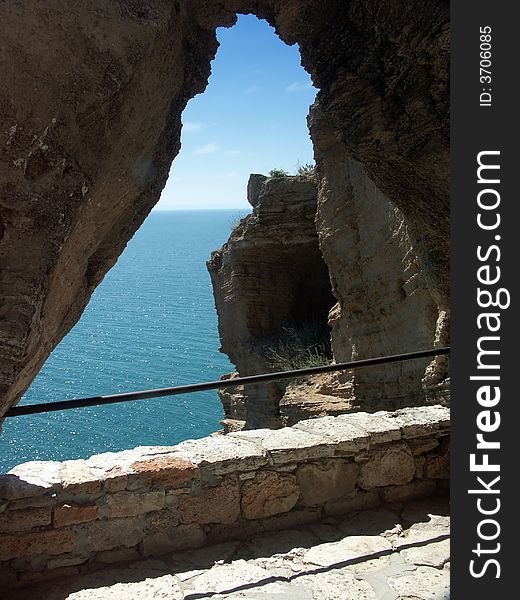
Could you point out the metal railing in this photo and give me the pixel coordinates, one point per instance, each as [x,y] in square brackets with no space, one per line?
[32,409]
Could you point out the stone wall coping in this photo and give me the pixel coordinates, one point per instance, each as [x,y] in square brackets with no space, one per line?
[217,455]
[76,515]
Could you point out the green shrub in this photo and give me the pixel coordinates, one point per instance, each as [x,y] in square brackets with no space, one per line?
[278,173]
[306,170]
[299,347]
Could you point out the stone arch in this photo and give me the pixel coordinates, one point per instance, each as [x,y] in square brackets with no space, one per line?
[90,123]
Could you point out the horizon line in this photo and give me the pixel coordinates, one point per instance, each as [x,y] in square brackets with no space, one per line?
[203,208]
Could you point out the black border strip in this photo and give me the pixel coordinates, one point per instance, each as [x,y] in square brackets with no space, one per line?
[487,123]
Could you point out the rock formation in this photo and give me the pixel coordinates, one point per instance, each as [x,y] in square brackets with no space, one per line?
[385,305]
[91,100]
[270,275]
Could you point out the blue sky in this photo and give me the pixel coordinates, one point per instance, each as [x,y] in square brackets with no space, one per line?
[250,119]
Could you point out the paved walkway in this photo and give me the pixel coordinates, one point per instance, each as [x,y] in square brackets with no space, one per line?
[398,554]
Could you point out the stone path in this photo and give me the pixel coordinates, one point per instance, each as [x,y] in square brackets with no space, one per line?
[401,553]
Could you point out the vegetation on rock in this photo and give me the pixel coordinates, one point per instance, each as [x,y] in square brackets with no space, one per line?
[306,170]
[299,347]
[278,173]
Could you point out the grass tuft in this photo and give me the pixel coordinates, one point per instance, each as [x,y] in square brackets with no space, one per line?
[307,345]
[278,173]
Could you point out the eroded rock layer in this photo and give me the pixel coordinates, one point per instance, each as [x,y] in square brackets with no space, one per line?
[385,305]
[270,275]
[90,109]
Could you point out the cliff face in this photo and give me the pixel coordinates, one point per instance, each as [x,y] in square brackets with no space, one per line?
[90,111]
[385,305]
[270,275]
[91,102]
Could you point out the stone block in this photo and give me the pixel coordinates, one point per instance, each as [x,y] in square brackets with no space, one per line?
[352,548]
[12,521]
[118,555]
[168,471]
[226,577]
[218,504]
[380,428]
[48,499]
[29,563]
[289,444]
[68,514]
[30,479]
[339,432]
[162,521]
[289,520]
[339,584]
[437,464]
[108,535]
[391,465]
[326,480]
[425,583]
[128,504]
[157,543]
[435,554]
[359,501]
[421,421]
[419,467]
[419,446]
[182,538]
[115,480]
[76,478]
[268,494]
[171,500]
[33,544]
[403,493]
[66,561]
[222,454]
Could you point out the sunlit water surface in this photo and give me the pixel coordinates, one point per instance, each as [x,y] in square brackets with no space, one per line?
[151,323]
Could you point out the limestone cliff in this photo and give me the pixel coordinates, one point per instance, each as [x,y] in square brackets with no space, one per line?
[270,275]
[90,106]
[384,304]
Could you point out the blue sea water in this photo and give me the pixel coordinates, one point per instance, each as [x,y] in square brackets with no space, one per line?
[151,323]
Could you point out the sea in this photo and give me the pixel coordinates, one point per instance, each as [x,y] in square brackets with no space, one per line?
[151,323]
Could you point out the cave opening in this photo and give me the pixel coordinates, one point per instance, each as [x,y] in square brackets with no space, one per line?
[103,354]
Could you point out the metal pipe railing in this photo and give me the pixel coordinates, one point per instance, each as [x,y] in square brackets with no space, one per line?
[32,409]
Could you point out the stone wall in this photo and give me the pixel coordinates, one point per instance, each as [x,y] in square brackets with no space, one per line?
[61,518]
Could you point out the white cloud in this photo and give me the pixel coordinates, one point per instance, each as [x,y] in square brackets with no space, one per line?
[253,89]
[232,174]
[299,86]
[207,149]
[189,127]
[231,152]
